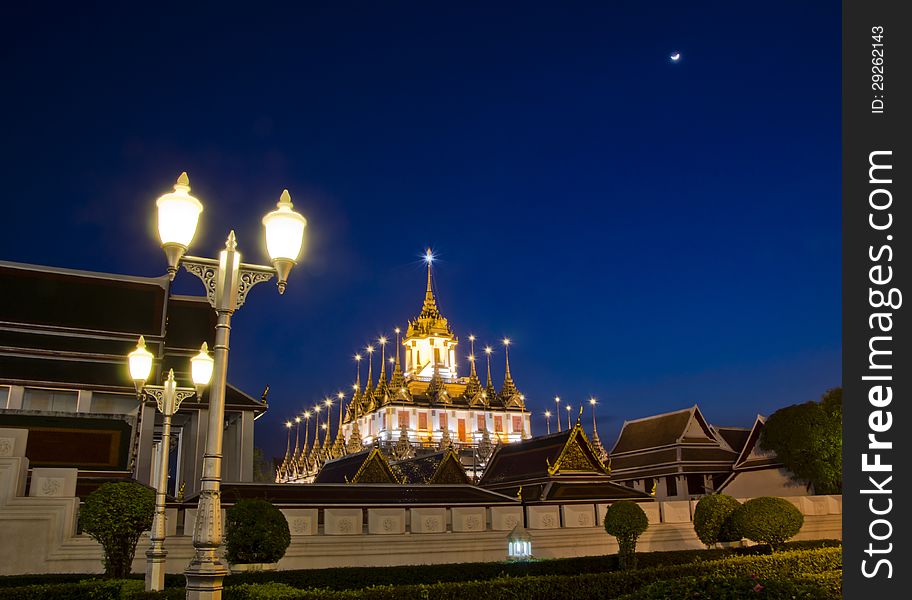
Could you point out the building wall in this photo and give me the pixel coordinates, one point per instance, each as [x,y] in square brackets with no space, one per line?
[39,530]
[371,427]
[765,482]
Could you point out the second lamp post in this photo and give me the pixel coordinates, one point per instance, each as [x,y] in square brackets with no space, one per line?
[168,398]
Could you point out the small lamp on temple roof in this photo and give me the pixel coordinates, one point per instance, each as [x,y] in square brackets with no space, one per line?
[519,544]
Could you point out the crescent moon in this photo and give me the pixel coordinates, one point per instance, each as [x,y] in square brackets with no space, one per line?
[676,56]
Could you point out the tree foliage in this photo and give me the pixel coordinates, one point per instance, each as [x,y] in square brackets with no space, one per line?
[115,515]
[712,519]
[257,532]
[807,439]
[767,520]
[625,520]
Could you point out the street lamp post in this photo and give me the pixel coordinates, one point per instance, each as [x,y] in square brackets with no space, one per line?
[557,412]
[548,417]
[227,282]
[168,398]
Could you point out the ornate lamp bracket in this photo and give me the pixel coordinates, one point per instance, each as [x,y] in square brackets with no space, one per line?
[207,271]
[158,393]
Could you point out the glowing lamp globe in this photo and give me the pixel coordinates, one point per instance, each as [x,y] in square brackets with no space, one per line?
[178,215]
[201,367]
[140,361]
[284,237]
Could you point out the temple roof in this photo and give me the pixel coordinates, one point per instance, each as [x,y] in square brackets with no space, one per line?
[685,426]
[735,437]
[559,454]
[284,494]
[437,468]
[369,466]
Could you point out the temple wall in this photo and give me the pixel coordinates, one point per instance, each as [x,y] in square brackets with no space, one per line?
[766,481]
[38,528]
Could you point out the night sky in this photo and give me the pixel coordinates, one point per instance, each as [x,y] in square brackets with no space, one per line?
[655,234]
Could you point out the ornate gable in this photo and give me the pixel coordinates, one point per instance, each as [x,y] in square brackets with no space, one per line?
[449,470]
[578,456]
[374,469]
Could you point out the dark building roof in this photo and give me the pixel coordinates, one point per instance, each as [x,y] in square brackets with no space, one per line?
[751,456]
[369,466]
[380,494]
[82,300]
[543,457]
[735,437]
[74,329]
[438,468]
[662,430]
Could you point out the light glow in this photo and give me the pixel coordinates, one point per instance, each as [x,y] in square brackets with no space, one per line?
[284,230]
[140,361]
[201,366]
[178,214]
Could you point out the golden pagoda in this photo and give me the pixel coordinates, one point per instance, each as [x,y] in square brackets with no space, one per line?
[426,399]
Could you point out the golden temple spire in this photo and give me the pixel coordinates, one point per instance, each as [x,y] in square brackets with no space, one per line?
[472,355]
[370,367]
[358,376]
[429,308]
[488,351]
[382,379]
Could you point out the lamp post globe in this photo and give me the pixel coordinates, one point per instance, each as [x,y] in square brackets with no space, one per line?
[201,367]
[284,237]
[140,361]
[178,215]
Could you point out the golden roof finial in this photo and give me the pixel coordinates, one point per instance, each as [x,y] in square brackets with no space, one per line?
[430,303]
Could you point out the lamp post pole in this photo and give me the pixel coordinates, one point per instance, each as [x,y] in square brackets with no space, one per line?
[168,398]
[227,282]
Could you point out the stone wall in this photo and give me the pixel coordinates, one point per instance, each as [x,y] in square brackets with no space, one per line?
[38,528]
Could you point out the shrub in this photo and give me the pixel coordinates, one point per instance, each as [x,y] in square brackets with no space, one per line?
[711,519]
[257,532]
[825,586]
[767,520]
[115,515]
[625,520]
[347,578]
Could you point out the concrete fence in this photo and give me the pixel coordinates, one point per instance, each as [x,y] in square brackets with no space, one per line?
[38,530]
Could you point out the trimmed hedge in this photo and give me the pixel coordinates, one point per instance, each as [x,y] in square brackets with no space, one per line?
[78,587]
[256,532]
[767,520]
[774,568]
[824,586]
[626,521]
[93,589]
[712,519]
[345,578]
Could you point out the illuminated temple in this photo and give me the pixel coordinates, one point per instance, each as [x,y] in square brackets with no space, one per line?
[417,406]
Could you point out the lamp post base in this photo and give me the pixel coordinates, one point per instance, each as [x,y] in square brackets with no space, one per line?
[205,580]
[155,569]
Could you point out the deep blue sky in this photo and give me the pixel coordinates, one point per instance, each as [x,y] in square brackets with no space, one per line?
[655,234]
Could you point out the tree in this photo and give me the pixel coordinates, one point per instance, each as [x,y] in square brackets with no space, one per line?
[767,520]
[807,439]
[257,532]
[625,520]
[712,519]
[115,515]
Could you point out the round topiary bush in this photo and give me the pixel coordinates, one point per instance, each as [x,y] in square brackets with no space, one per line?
[712,519]
[115,515]
[257,532]
[767,520]
[625,520]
